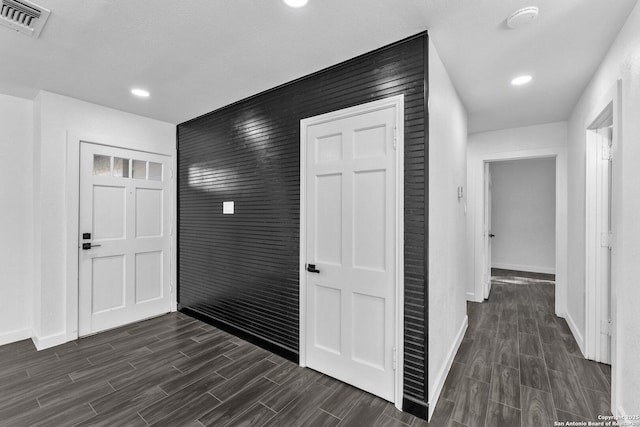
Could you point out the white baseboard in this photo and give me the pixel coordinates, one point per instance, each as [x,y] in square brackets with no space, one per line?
[13,336]
[42,343]
[471,296]
[576,333]
[522,267]
[444,371]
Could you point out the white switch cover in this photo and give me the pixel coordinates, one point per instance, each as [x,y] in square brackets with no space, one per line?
[227,208]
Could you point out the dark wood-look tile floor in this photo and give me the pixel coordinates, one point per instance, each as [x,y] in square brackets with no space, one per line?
[176,371]
[519,365]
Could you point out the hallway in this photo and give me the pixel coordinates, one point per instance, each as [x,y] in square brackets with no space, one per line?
[519,365]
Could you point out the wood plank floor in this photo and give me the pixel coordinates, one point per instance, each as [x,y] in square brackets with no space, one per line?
[175,371]
[519,365]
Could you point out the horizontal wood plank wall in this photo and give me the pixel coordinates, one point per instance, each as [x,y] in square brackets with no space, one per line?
[241,270]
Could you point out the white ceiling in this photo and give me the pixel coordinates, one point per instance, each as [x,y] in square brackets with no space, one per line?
[198,55]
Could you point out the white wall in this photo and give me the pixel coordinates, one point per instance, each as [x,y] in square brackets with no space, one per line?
[16,208]
[546,140]
[57,117]
[621,62]
[523,216]
[447,237]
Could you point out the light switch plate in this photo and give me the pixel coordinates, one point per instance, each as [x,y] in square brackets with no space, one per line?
[228,208]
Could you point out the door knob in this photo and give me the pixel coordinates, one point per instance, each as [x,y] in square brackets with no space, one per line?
[311,268]
[491,235]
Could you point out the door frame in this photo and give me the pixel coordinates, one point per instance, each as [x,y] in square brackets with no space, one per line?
[608,106]
[486,211]
[476,192]
[505,157]
[74,142]
[398,103]
[595,263]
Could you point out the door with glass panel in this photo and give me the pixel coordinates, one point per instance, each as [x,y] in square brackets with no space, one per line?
[124,237]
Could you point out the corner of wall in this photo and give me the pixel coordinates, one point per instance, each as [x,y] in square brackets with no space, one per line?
[443,371]
[16,251]
[36,306]
[447,237]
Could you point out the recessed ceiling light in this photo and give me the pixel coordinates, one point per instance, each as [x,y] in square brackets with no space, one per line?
[521,80]
[140,92]
[295,3]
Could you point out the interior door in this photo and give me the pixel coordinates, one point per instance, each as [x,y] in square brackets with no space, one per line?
[350,235]
[488,235]
[124,246]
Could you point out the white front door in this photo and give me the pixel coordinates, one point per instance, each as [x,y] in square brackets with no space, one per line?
[124,242]
[350,249]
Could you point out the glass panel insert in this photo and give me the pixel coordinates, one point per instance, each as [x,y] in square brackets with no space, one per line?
[101,165]
[120,167]
[139,169]
[155,171]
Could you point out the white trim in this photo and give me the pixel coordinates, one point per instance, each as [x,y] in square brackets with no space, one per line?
[14,336]
[476,186]
[522,267]
[49,341]
[612,98]
[574,330]
[398,103]
[486,230]
[302,293]
[74,140]
[442,373]
[594,260]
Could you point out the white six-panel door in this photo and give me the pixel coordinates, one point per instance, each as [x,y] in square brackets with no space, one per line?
[350,249]
[124,241]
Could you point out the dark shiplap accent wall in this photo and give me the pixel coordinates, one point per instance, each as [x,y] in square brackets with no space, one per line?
[242,270]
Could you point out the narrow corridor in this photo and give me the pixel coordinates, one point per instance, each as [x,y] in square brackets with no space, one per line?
[519,365]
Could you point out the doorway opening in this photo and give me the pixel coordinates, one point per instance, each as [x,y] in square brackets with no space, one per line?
[598,207]
[519,217]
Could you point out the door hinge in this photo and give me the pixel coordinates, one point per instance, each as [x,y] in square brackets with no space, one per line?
[605,327]
[605,240]
[395,138]
[606,152]
[395,359]
[171,173]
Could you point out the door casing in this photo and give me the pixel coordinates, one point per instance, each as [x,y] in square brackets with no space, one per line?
[476,200]
[613,101]
[487,229]
[74,141]
[398,103]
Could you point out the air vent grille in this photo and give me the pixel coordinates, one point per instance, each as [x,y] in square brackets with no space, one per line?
[23,16]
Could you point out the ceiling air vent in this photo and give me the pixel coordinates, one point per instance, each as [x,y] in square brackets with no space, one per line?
[23,16]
